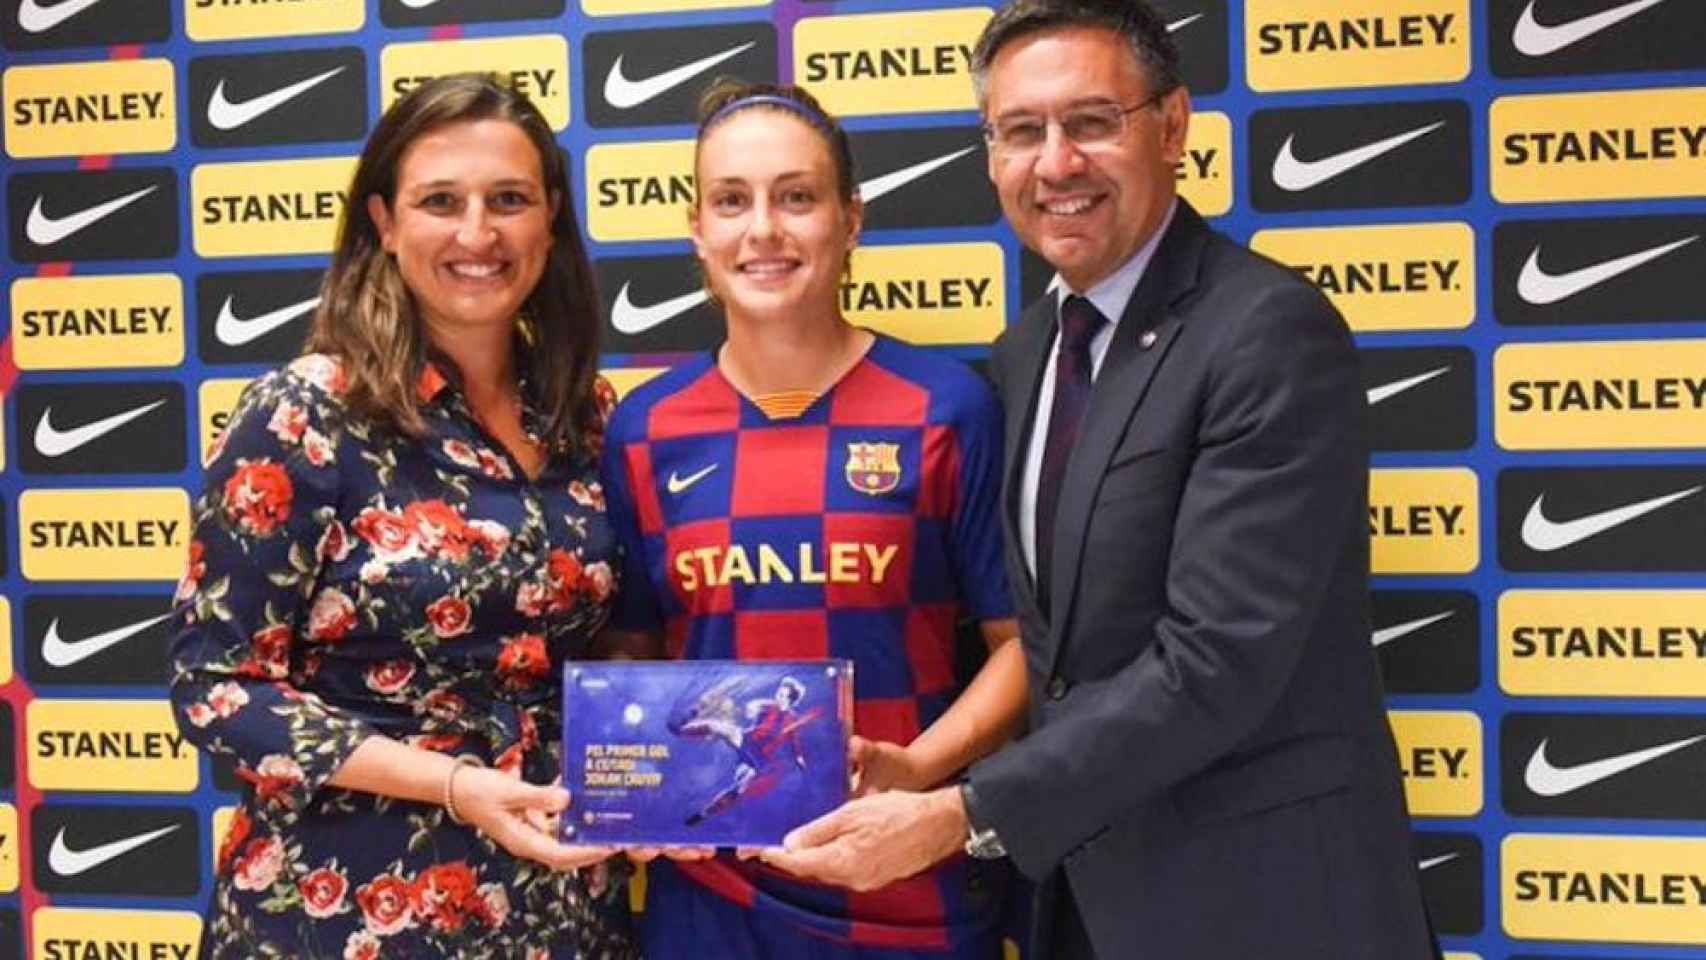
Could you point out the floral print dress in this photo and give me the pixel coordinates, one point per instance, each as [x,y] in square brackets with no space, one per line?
[346,581]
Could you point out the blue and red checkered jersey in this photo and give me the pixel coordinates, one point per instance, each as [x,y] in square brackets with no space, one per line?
[863,528]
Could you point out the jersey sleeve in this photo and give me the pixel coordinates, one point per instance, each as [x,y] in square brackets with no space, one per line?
[977,541]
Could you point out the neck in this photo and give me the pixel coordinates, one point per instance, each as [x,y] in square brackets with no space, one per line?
[483,360]
[787,355]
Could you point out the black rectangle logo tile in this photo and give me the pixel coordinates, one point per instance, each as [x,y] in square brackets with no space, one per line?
[1449,865]
[293,96]
[97,639]
[1599,270]
[1638,519]
[1639,766]
[254,316]
[129,850]
[127,214]
[656,304]
[1544,38]
[638,78]
[432,13]
[1420,398]
[930,177]
[101,427]
[49,24]
[1428,641]
[1398,154]
[1199,28]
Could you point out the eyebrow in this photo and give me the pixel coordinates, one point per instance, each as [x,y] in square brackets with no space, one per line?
[790,175]
[443,182]
[1076,102]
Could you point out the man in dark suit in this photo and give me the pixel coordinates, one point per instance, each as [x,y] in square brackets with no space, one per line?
[1209,772]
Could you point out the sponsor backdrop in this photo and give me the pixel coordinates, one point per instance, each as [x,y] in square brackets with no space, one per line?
[1507,199]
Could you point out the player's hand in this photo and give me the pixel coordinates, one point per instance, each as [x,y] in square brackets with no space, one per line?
[875,840]
[879,766]
[521,817]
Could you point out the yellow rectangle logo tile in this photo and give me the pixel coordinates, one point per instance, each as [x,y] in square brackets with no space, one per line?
[272,207]
[1598,146]
[134,533]
[639,191]
[1309,45]
[223,20]
[125,746]
[65,933]
[1204,173]
[78,109]
[537,66]
[1623,394]
[216,399]
[886,63]
[1603,643]
[1440,756]
[1409,276]
[1424,521]
[1604,888]
[937,293]
[88,323]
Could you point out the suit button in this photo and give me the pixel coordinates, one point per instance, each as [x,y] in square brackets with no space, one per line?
[1056,688]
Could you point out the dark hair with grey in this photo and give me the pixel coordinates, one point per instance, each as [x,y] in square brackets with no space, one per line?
[728,96]
[1134,20]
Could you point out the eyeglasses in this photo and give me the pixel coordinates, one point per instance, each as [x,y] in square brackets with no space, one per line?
[1094,125]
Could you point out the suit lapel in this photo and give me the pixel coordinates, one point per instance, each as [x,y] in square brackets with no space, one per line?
[1030,349]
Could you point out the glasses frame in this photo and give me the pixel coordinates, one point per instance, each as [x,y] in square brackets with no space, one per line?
[989,138]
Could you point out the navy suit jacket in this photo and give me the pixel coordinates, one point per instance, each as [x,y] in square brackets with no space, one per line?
[1209,771]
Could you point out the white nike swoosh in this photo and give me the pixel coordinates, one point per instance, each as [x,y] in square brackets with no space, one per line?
[623,93]
[68,862]
[1537,40]
[65,653]
[1294,175]
[1177,25]
[1549,781]
[632,320]
[44,230]
[225,115]
[35,18]
[417,4]
[1386,635]
[52,442]
[1387,391]
[1541,288]
[889,182]
[234,331]
[1433,862]
[677,484]
[1545,535]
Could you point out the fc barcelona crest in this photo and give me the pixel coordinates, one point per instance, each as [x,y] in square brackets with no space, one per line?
[873,468]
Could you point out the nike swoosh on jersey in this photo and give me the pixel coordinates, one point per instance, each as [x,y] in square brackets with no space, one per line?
[623,93]
[678,484]
[1433,862]
[68,862]
[35,18]
[225,115]
[1547,535]
[1386,635]
[59,652]
[1297,175]
[633,320]
[235,331]
[53,442]
[1178,25]
[1543,289]
[44,230]
[1387,391]
[1537,39]
[1547,780]
[889,182]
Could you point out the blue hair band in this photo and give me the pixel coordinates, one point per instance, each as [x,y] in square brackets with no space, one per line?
[769,100]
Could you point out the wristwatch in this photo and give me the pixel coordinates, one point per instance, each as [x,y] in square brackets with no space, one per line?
[981,842]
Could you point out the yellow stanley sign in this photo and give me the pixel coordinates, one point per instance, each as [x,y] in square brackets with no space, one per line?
[271,207]
[86,323]
[135,533]
[1204,173]
[1604,888]
[216,399]
[224,20]
[886,63]
[128,746]
[940,293]
[1413,276]
[9,849]
[68,933]
[1309,45]
[537,66]
[76,109]
[1602,643]
[639,191]
[1598,146]
[1600,396]
[1424,520]
[1440,755]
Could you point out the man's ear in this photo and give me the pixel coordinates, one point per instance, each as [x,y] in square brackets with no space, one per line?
[1175,123]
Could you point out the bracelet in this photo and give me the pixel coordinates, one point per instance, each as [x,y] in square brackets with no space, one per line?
[464,760]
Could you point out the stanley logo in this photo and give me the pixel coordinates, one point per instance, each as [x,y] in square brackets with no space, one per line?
[1639,766]
[1603,888]
[1603,643]
[299,96]
[258,316]
[537,66]
[656,305]
[943,293]
[1204,173]
[216,399]
[272,207]
[1636,519]
[1624,269]
[1566,396]
[1424,520]
[108,745]
[96,639]
[86,323]
[887,63]
[41,25]
[1539,38]
[123,214]
[237,20]
[1420,398]
[432,13]
[1417,276]
[619,8]
[73,109]
[136,533]
[1624,145]
[65,933]
[132,850]
[1450,868]
[1428,641]
[639,191]
[637,78]
[1439,754]
[1199,28]
[1400,154]
[68,428]
[925,177]
[1304,45]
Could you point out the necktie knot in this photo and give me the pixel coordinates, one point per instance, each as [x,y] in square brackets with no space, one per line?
[1079,321]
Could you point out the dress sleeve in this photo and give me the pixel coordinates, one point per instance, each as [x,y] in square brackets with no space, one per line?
[247,608]
[636,602]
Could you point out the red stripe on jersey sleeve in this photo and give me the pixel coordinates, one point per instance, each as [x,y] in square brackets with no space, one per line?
[891,721]
[870,396]
[857,546]
[910,903]
[781,635]
[939,489]
[930,647]
[643,488]
[707,405]
[779,471]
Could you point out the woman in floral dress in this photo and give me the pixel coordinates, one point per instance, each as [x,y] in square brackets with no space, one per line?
[401,538]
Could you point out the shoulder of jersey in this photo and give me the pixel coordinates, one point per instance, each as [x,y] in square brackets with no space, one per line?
[629,415]
[943,376]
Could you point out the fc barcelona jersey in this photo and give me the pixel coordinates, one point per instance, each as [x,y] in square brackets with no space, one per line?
[863,528]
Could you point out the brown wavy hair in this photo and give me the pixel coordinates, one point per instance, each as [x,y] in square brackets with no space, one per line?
[367,318]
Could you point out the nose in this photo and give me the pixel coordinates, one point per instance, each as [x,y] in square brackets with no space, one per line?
[763,223]
[1058,158]
[475,229]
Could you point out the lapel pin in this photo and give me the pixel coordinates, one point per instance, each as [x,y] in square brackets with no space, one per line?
[1147,340]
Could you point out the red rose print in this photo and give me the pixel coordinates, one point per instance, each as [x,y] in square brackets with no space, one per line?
[388,535]
[259,864]
[589,495]
[361,945]
[269,653]
[235,834]
[522,661]
[384,904]
[449,616]
[323,891]
[317,448]
[492,903]
[530,598]
[273,777]
[193,571]
[332,616]
[563,570]
[257,497]
[440,529]
[335,543]
[390,677]
[597,581]
[493,537]
[287,423]
[460,453]
[437,742]
[200,714]
[320,370]
[443,895]
[226,699]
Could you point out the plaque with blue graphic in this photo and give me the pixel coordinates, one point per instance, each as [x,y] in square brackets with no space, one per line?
[703,752]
